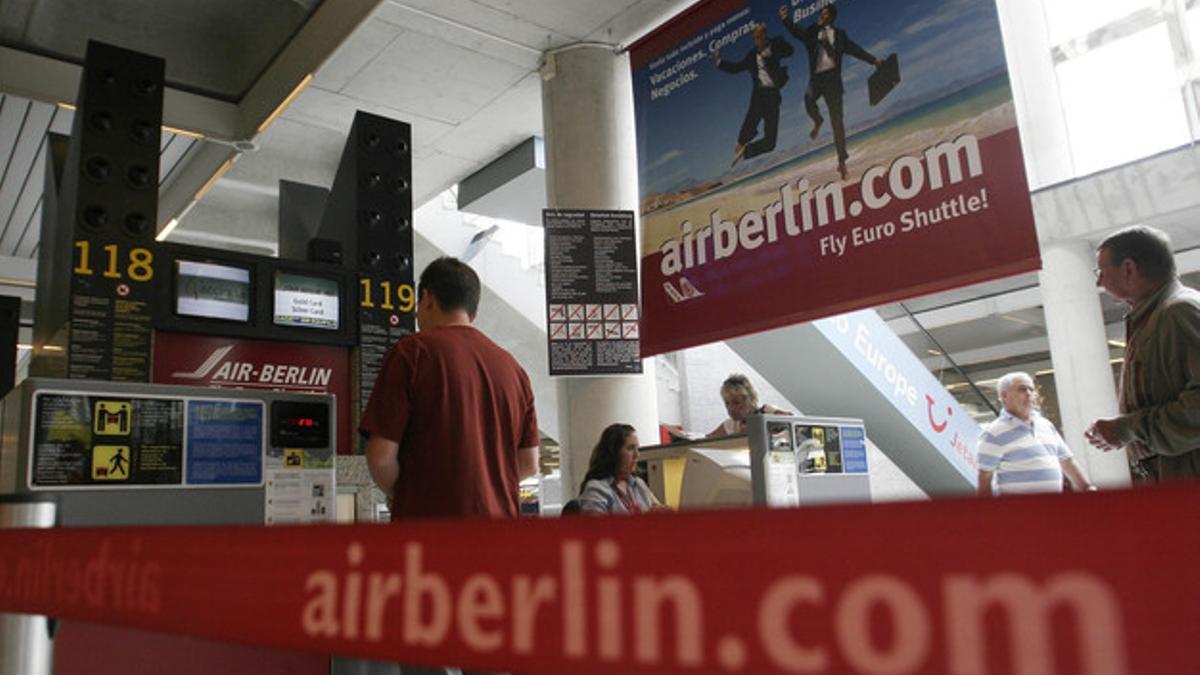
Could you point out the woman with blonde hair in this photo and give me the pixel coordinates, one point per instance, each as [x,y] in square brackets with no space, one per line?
[741,401]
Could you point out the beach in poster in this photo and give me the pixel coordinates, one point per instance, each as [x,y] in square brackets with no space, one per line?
[748,222]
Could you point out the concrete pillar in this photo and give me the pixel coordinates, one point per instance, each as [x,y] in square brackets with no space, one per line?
[1079,352]
[1045,142]
[591,163]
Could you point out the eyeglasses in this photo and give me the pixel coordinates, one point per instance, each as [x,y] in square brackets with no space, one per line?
[1098,270]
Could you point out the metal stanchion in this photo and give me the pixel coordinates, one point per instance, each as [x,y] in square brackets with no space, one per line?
[26,641]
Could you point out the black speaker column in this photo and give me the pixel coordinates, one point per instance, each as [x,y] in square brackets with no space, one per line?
[369,213]
[10,322]
[109,202]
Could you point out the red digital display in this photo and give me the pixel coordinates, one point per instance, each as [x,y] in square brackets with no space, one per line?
[301,422]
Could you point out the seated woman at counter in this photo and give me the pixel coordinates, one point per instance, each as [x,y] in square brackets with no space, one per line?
[741,401]
[610,485]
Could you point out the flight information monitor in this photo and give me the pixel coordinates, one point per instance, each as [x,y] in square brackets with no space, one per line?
[306,301]
[212,291]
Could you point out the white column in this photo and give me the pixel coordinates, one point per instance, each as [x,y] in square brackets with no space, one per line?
[1079,352]
[591,163]
[1046,143]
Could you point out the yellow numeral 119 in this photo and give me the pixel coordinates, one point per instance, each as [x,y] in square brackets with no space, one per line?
[401,297]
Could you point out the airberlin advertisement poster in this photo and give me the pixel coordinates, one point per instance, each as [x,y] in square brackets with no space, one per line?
[804,158]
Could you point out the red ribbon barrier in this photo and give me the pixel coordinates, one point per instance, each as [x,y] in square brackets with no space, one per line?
[1094,583]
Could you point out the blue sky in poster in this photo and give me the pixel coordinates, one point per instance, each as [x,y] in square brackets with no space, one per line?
[687,137]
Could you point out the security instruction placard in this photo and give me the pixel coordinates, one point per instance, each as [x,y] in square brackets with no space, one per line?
[106,441]
[225,443]
[831,449]
[300,487]
[109,441]
[592,317]
[854,450]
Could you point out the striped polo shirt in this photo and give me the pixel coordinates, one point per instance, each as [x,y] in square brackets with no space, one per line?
[1025,457]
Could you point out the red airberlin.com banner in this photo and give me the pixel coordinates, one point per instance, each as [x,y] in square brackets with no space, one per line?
[1101,583]
[803,158]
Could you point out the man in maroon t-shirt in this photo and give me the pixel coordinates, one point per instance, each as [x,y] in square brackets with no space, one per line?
[451,424]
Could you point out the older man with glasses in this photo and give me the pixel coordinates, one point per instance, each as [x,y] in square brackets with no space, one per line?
[1159,421]
[1021,450]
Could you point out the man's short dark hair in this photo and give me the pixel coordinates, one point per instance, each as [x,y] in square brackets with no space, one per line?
[1149,247]
[453,283]
[832,11]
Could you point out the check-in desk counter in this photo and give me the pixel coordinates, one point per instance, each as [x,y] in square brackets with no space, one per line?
[783,461]
[717,472]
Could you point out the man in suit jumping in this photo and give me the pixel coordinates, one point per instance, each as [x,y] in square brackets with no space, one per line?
[769,75]
[826,44]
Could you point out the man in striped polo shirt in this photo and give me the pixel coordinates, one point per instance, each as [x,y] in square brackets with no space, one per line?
[1021,449]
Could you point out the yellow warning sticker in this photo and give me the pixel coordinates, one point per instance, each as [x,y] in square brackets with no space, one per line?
[110,462]
[293,458]
[112,418]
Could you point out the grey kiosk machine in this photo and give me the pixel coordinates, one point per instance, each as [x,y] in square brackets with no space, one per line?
[112,453]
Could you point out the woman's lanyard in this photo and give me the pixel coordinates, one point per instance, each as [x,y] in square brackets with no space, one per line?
[630,503]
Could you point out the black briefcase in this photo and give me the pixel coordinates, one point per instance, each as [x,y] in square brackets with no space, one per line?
[884,79]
